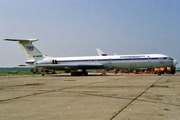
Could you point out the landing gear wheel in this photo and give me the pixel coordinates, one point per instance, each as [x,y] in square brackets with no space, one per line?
[42,73]
[172,73]
[72,74]
[168,72]
[159,73]
[85,73]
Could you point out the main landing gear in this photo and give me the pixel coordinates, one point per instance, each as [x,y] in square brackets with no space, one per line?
[79,73]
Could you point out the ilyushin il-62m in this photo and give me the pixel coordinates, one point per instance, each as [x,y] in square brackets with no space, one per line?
[73,64]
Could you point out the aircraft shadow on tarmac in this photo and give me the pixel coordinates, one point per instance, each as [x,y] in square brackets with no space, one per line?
[68,75]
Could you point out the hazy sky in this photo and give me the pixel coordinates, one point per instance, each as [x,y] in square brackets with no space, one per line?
[78,27]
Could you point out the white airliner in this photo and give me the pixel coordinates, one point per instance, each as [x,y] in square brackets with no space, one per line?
[73,64]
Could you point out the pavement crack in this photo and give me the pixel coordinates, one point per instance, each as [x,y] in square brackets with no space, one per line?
[134,99]
[47,91]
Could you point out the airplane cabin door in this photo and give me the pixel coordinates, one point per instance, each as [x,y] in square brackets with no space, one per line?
[110,63]
[149,59]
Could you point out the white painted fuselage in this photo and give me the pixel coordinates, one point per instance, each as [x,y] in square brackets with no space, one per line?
[107,62]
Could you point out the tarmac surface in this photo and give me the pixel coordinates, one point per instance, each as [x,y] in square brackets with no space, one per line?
[93,97]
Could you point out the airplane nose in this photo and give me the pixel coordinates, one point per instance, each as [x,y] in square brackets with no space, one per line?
[175,62]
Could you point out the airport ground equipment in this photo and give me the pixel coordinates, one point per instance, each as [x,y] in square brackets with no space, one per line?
[168,70]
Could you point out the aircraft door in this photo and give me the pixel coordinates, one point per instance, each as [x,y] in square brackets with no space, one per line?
[89,61]
[149,59]
[110,65]
[110,61]
[92,60]
[54,62]
[95,60]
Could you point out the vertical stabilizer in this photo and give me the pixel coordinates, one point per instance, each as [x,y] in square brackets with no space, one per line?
[29,50]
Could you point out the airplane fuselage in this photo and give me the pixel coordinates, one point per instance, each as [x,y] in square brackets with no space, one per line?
[109,62]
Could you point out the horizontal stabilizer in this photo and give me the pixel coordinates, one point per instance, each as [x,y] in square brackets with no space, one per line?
[23,40]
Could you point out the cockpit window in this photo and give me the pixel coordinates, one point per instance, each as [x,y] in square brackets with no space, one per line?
[169,58]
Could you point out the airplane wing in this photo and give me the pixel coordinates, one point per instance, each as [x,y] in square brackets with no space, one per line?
[71,66]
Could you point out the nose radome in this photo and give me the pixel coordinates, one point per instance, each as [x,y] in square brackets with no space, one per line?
[175,62]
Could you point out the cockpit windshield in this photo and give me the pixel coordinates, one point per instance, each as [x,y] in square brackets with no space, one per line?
[169,58]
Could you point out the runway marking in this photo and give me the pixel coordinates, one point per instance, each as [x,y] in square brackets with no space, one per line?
[86,90]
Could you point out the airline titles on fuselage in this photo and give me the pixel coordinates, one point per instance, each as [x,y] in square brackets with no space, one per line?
[140,56]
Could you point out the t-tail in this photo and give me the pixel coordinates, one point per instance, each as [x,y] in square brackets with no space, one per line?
[31,53]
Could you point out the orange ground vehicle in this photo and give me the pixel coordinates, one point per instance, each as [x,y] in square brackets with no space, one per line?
[168,70]
[157,71]
[171,70]
[162,70]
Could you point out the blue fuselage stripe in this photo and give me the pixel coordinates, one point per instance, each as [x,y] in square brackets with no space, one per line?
[106,60]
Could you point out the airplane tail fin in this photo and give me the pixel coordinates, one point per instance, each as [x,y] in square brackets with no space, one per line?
[29,50]
[101,53]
